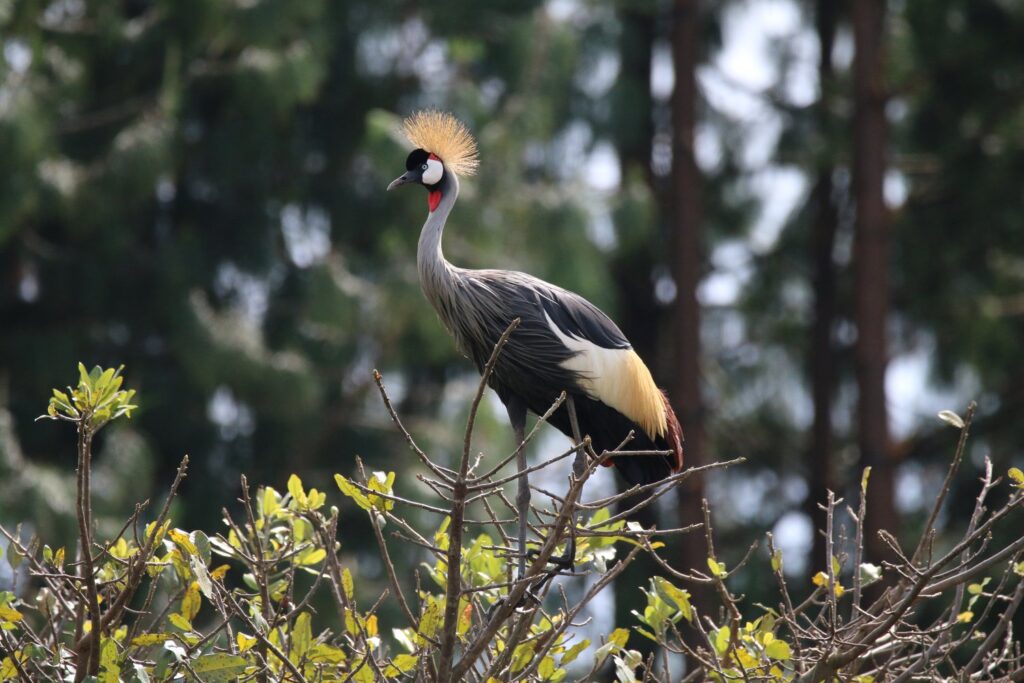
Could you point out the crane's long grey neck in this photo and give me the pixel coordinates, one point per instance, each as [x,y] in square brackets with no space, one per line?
[436,273]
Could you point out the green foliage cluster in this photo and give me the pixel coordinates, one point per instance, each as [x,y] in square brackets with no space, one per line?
[270,596]
[96,400]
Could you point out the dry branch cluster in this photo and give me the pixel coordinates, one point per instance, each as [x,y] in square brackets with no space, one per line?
[155,603]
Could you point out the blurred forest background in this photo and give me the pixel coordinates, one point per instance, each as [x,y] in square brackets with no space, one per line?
[807,215]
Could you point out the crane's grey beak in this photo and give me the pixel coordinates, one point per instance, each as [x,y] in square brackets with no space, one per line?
[406,177]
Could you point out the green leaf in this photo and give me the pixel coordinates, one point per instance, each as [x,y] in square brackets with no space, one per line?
[620,637]
[352,492]
[382,483]
[347,583]
[191,602]
[680,597]
[295,488]
[180,621]
[722,637]
[778,649]
[405,662]
[302,637]
[110,671]
[363,675]
[150,639]
[1017,476]
[312,556]
[9,614]
[573,652]
[219,667]
[271,501]
[717,568]
[522,656]
[429,620]
[777,561]
[546,668]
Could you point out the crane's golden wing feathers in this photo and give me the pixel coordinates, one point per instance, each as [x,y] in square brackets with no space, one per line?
[442,134]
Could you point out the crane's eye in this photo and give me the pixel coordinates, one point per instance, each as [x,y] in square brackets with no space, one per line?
[423,167]
[433,170]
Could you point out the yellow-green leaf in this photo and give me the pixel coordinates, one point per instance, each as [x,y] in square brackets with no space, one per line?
[219,667]
[430,618]
[722,639]
[110,672]
[244,641]
[270,501]
[1017,476]
[352,492]
[546,668]
[363,675]
[573,652]
[717,568]
[9,614]
[347,583]
[191,602]
[182,540]
[180,621]
[522,656]
[295,488]
[302,637]
[778,649]
[965,617]
[314,556]
[680,597]
[150,639]
[620,637]
[404,662]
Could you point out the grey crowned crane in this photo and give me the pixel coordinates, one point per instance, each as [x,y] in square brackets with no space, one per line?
[562,343]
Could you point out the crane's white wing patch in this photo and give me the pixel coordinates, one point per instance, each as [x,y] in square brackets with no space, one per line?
[616,377]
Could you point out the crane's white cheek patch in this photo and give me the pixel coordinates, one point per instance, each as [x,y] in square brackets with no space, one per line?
[434,172]
[617,378]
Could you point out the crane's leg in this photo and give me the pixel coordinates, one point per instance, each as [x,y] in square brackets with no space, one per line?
[568,559]
[517,416]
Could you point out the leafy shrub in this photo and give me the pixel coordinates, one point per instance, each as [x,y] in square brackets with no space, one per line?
[160,603]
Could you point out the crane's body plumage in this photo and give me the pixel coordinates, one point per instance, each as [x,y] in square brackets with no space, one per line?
[563,343]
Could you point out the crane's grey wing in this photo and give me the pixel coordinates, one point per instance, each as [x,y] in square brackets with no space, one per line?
[563,343]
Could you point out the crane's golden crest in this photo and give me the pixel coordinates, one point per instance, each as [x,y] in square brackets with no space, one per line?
[445,136]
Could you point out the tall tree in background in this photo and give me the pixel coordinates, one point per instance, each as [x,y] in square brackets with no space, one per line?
[822,356]
[871,265]
[637,218]
[686,260]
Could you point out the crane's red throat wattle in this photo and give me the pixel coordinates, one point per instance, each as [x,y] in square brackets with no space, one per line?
[433,199]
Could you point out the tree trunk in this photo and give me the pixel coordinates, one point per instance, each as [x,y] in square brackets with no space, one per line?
[871,265]
[822,360]
[639,315]
[686,258]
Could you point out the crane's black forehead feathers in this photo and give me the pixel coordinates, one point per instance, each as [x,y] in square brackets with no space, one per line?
[416,158]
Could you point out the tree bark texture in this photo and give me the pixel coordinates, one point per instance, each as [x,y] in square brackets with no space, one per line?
[639,314]
[822,358]
[685,196]
[871,267]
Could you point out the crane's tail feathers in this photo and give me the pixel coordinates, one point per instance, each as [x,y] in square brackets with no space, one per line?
[674,436]
[647,469]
